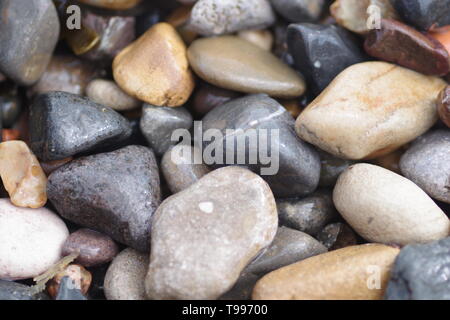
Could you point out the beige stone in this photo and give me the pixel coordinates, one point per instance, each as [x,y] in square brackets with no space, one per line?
[382,206]
[261,38]
[154,68]
[112,4]
[109,94]
[22,175]
[369,110]
[233,63]
[350,273]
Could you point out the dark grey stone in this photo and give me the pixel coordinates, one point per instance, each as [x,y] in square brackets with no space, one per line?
[421,272]
[424,13]
[337,235]
[299,10]
[67,291]
[10,107]
[115,193]
[331,168]
[243,288]
[10,290]
[63,124]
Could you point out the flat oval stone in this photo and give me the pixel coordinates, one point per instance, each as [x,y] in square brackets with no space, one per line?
[63,124]
[112,4]
[115,193]
[426,164]
[369,110]
[299,10]
[382,206]
[294,167]
[421,272]
[424,14]
[94,247]
[342,274]
[398,43]
[154,68]
[336,236]
[235,64]
[10,290]
[30,240]
[125,277]
[30,30]
[204,236]
[108,93]
[444,106]
[321,52]
[158,123]
[215,17]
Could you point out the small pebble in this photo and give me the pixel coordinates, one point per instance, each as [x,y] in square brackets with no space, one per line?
[207,97]
[336,236]
[68,291]
[390,161]
[10,108]
[80,277]
[331,168]
[108,93]
[299,10]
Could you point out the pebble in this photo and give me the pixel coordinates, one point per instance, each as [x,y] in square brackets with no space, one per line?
[10,108]
[336,236]
[125,277]
[95,192]
[64,73]
[179,19]
[401,44]
[179,168]
[204,236]
[232,63]
[108,93]
[94,247]
[426,164]
[346,274]
[442,35]
[308,214]
[390,161]
[216,17]
[298,164]
[10,290]
[30,240]
[321,52]
[444,106]
[112,4]
[159,123]
[154,68]
[292,106]
[385,107]
[382,206]
[63,124]
[260,38]
[80,277]
[421,272]
[10,134]
[289,246]
[207,97]
[331,168]
[424,14]
[299,10]
[68,291]
[30,30]
[22,175]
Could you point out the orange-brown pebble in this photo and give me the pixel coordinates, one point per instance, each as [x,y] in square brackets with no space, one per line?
[155,69]
[51,166]
[444,106]
[292,106]
[77,273]
[112,4]
[10,134]
[22,175]
[178,19]
[443,36]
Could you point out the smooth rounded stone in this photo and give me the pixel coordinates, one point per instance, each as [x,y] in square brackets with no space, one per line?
[299,10]
[180,168]
[309,214]
[321,52]
[125,277]
[79,276]
[369,110]
[421,272]
[10,290]
[336,236]
[242,289]
[63,124]
[331,168]
[115,193]
[401,44]
[10,108]
[443,106]
[64,73]
[30,240]
[108,93]
[233,63]
[30,30]
[261,38]
[114,32]
[22,175]
[158,123]
[293,168]
[205,235]
[94,248]
[154,68]
[353,15]
[382,206]
[112,4]
[216,17]
[426,163]
[207,97]
[51,166]
[289,246]
[424,14]
[349,273]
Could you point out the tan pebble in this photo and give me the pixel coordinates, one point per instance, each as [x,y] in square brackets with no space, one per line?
[109,94]
[112,4]
[78,274]
[261,38]
[22,175]
[352,273]
[154,68]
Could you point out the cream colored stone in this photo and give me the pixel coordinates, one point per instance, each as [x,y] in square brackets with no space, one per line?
[109,94]
[370,109]
[351,273]
[261,38]
[382,206]
[22,175]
